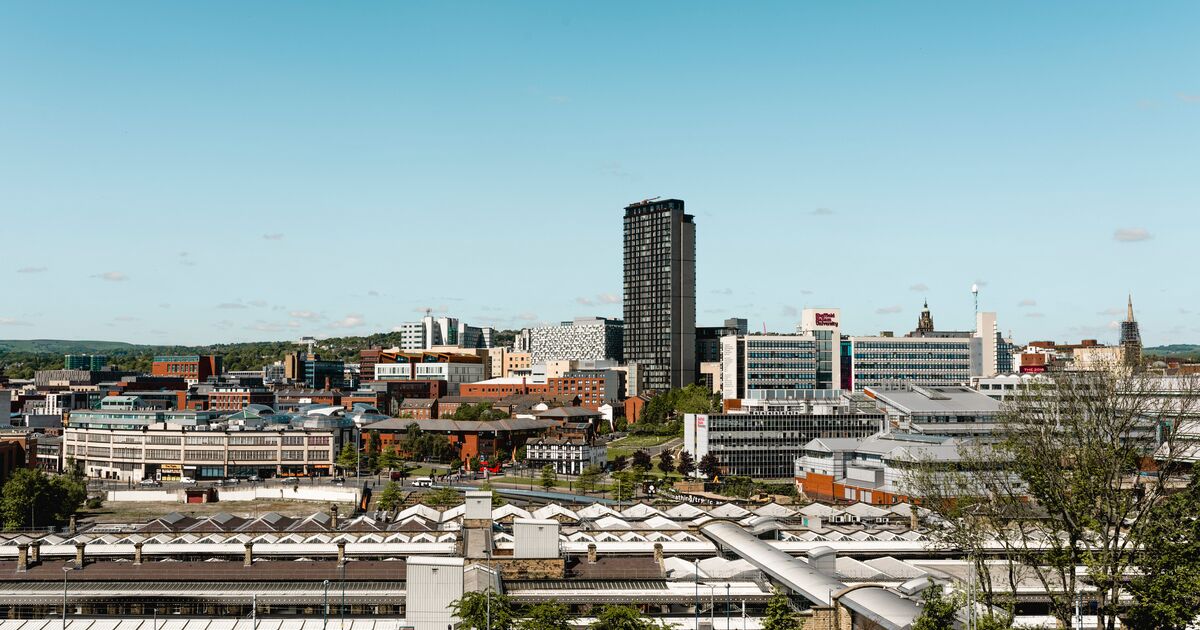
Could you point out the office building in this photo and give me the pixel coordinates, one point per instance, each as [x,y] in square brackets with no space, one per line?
[708,338]
[192,368]
[430,332]
[768,366]
[660,292]
[454,369]
[764,439]
[878,470]
[584,338]
[884,361]
[950,410]
[318,373]
[824,324]
[91,362]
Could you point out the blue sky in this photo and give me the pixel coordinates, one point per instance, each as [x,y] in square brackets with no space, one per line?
[223,171]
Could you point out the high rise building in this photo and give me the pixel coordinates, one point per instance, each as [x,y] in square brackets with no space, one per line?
[432,332]
[660,292]
[824,324]
[768,366]
[91,362]
[1131,337]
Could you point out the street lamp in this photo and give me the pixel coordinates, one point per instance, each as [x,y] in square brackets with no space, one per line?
[325,607]
[727,606]
[66,569]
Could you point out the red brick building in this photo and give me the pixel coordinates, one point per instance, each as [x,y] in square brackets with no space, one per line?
[235,398]
[193,368]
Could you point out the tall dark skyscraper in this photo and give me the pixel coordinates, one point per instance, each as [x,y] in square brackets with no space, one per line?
[1131,337]
[660,293]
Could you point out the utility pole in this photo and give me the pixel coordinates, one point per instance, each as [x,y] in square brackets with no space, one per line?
[696,579]
[66,570]
[325,608]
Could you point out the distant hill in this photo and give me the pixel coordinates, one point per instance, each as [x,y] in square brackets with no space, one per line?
[1175,350]
[63,346]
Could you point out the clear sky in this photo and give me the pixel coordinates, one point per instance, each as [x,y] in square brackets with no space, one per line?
[193,172]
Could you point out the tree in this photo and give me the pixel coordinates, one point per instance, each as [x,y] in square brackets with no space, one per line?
[442,498]
[779,615]
[686,464]
[391,497]
[642,459]
[1065,488]
[615,617]
[373,447]
[481,610]
[1167,592]
[388,459]
[937,610]
[588,478]
[348,458]
[550,615]
[619,463]
[549,476]
[666,462]
[622,487]
[709,466]
[31,499]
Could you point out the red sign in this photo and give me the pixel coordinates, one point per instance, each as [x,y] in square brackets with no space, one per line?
[826,319]
[1033,369]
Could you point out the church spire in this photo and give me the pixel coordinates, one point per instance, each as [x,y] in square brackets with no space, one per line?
[925,322]
[1129,313]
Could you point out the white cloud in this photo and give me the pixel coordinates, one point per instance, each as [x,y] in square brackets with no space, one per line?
[919,287]
[350,321]
[822,212]
[309,315]
[257,303]
[1131,235]
[126,318]
[373,293]
[274,236]
[111,276]
[527,316]
[790,311]
[31,270]
[608,298]
[888,310]
[1035,315]
[231,305]
[583,301]
[1026,303]
[805,292]
[1189,98]
[9,321]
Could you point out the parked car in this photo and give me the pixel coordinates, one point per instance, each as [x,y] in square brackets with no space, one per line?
[291,481]
[255,478]
[150,483]
[187,481]
[422,482]
[339,481]
[232,481]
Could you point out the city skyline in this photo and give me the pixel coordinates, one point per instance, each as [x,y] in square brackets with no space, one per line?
[218,180]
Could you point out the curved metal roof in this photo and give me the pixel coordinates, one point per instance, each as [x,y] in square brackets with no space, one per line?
[795,574]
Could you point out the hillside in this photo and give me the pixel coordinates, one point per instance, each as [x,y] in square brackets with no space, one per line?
[1175,351]
[21,358]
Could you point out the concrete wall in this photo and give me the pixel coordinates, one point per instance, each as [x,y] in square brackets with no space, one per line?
[294,493]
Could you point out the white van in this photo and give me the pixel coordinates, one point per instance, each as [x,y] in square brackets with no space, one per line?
[423,482]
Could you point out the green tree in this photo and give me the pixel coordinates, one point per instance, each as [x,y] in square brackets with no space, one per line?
[31,499]
[622,486]
[483,610]
[373,447]
[388,459]
[937,610]
[348,458]
[666,462]
[709,466]
[442,498]
[1166,593]
[779,615]
[588,478]
[619,463]
[614,617]
[641,459]
[550,615]
[548,477]
[391,497]
[687,465]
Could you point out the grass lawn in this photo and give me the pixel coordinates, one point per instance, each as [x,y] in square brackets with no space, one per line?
[537,482]
[640,441]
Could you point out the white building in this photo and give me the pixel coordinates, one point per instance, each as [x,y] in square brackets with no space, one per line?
[768,366]
[442,331]
[595,338]
[454,372]
[568,457]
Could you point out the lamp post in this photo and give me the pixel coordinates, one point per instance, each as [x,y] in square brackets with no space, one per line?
[727,606]
[325,607]
[66,569]
[696,579]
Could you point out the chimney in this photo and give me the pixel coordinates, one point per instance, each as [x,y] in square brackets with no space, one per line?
[914,520]
[591,553]
[22,558]
[137,553]
[248,558]
[341,547]
[79,547]
[658,553]
[35,551]
[73,527]
[333,517]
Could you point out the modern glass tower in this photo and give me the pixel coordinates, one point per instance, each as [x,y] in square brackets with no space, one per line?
[660,293]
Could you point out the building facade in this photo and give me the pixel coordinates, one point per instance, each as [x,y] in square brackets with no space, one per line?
[595,338]
[191,368]
[660,293]
[885,361]
[765,444]
[767,366]
[90,362]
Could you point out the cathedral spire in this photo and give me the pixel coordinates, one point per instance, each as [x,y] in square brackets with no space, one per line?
[1129,313]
